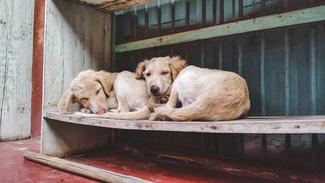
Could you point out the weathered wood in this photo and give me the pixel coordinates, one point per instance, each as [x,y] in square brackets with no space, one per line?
[64,139]
[258,125]
[81,169]
[307,15]
[77,38]
[113,5]
[16,53]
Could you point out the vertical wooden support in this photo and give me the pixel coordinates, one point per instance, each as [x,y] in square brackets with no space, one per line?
[220,54]
[241,8]
[113,43]
[313,73]
[146,32]
[159,17]
[173,16]
[287,74]
[214,11]
[37,68]
[314,155]
[240,57]
[221,15]
[263,111]
[203,12]
[187,13]
[263,139]
[287,149]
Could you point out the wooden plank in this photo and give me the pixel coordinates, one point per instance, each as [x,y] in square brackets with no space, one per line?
[113,5]
[266,22]
[64,139]
[16,53]
[81,169]
[76,38]
[259,125]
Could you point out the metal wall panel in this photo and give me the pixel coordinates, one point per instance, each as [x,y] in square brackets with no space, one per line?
[284,69]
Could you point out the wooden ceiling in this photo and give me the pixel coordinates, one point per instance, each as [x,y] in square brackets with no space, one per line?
[113,5]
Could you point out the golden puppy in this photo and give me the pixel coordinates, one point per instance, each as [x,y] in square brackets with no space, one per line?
[92,91]
[206,94]
[138,93]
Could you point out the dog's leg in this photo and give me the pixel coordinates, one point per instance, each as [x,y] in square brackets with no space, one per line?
[172,102]
[123,105]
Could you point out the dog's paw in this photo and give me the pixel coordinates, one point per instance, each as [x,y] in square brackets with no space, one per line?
[78,114]
[84,110]
[156,116]
[114,110]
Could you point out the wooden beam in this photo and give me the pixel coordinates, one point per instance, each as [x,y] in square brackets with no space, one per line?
[113,5]
[302,16]
[81,169]
[251,125]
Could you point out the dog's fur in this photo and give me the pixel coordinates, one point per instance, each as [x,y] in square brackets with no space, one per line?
[92,91]
[135,100]
[205,94]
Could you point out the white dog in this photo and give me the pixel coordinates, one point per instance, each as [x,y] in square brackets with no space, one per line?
[205,94]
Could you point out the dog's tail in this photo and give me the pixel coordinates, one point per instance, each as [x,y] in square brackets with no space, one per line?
[143,113]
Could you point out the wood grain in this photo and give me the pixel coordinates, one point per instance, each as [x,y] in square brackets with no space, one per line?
[16,53]
[251,125]
[113,5]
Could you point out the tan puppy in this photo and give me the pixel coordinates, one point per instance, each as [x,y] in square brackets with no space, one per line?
[159,74]
[92,91]
[206,94]
[137,97]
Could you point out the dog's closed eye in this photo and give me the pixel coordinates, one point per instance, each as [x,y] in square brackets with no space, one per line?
[85,99]
[148,74]
[165,73]
[97,91]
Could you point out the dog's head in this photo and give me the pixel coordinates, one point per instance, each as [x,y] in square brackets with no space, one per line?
[91,90]
[159,73]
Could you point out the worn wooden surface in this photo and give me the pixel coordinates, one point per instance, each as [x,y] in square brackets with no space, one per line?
[77,38]
[81,169]
[62,139]
[16,52]
[113,5]
[257,125]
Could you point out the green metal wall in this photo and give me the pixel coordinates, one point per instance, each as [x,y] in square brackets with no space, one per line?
[283,67]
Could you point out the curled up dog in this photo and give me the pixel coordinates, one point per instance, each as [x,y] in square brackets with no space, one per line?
[138,93]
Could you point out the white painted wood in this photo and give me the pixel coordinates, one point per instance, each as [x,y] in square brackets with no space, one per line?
[81,169]
[76,38]
[64,139]
[16,53]
[251,125]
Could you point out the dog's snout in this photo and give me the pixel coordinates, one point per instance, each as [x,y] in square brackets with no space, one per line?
[154,89]
[101,111]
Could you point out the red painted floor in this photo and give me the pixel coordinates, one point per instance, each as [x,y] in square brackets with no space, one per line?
[13,168]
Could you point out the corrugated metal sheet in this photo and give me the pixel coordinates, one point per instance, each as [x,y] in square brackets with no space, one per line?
[284,67]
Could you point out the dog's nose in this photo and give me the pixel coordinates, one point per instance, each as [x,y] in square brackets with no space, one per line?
[154,89]
[101,111]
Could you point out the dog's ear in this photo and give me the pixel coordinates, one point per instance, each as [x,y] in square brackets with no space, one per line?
[106,79]
[67,98]
[176,64]
[140,68]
